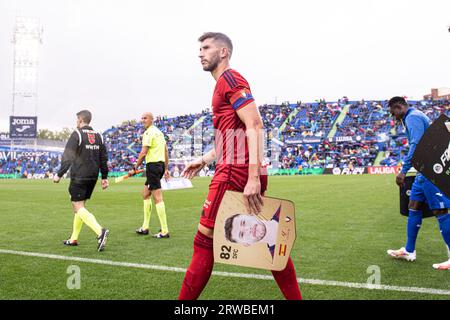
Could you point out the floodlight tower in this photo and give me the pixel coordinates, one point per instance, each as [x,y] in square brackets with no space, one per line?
[27,38]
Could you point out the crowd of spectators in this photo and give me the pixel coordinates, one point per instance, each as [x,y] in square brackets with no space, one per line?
[312,120]
[366,130]
[26,163]
[366,119]
[329,155]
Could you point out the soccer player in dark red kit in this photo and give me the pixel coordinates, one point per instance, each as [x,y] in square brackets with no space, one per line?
[238,163]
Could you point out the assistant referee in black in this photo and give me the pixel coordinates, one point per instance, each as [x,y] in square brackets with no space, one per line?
[85,155]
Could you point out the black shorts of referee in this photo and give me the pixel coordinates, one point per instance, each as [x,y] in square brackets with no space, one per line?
[154,172]
[81,189]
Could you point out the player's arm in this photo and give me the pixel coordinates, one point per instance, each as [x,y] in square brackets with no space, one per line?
[141,157]
[198,164]
[68,156]
[416,130]
[209,157]
[146,143]
[250,116]
[104,166]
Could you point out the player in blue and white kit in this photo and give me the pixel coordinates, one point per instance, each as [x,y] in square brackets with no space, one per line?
[423,190]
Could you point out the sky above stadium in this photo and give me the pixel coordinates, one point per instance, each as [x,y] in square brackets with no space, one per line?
[121,58]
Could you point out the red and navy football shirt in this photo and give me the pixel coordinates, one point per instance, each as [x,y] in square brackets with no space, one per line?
[232,92]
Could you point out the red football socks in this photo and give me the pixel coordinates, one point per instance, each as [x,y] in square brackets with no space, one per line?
[287,281]
[200,269]
[202,263]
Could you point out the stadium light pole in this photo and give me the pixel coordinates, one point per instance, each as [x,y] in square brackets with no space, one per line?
[27,38]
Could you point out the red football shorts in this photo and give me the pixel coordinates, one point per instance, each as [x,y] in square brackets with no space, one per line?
[217,189]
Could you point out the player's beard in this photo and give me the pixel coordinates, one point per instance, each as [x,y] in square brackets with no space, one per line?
[213,64]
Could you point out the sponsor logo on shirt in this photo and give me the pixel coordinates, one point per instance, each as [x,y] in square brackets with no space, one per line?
[94,147]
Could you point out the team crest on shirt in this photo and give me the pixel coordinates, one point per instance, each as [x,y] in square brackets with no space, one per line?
[91,138]
[244,94]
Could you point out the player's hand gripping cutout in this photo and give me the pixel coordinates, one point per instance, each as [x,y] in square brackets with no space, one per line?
[193,168]
[252,196]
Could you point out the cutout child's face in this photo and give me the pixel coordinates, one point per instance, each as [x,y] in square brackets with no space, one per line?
[247,229]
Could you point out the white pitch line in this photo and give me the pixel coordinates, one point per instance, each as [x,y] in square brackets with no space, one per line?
[231,274]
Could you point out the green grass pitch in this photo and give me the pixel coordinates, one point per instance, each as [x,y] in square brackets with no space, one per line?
[344,225]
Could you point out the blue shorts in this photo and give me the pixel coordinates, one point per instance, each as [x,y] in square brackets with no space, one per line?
[423,190]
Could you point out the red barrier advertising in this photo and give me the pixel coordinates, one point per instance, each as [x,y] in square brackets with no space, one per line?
[383,170]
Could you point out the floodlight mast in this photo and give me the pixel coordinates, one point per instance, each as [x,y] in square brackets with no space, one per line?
[27,38]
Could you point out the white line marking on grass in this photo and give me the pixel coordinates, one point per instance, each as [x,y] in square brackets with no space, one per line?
[230,274]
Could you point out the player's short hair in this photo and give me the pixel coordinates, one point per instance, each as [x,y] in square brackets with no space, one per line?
[228,226]
[85,115]
[397,101]
[218,36]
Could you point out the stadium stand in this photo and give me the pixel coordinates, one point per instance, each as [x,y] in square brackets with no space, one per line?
[304,131]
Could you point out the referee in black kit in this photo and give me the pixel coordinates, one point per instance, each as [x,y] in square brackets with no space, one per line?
[85,155]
